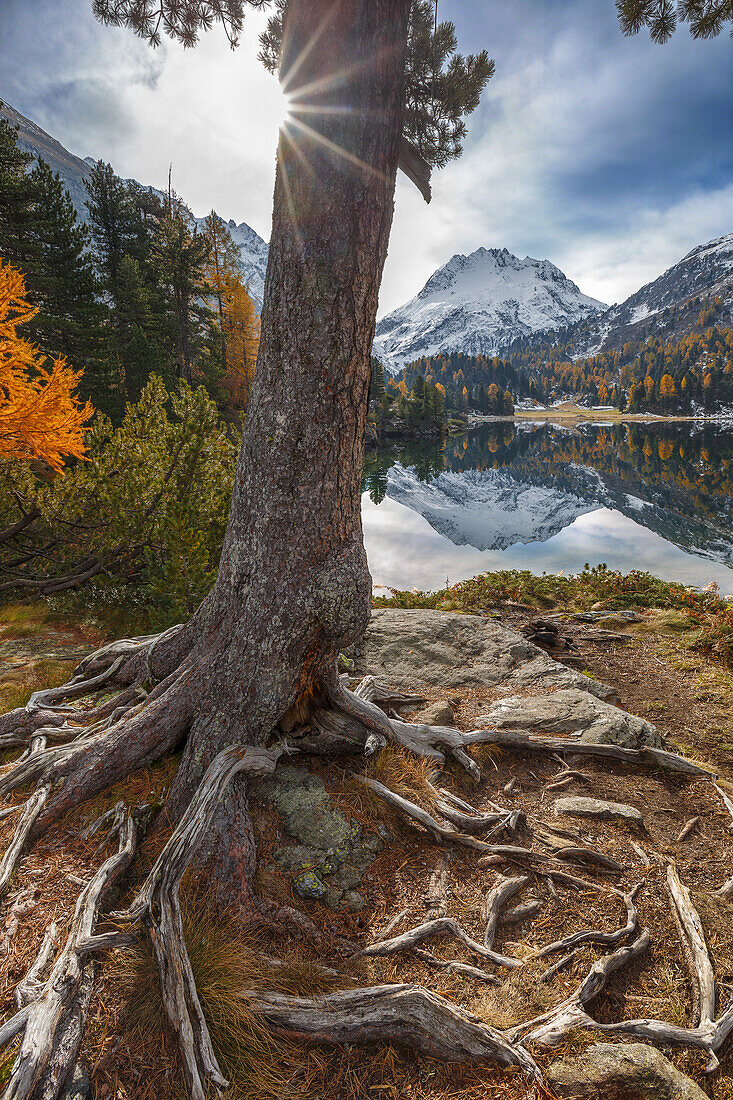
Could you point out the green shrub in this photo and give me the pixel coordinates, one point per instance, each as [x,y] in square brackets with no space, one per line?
[148,507]
[706,612]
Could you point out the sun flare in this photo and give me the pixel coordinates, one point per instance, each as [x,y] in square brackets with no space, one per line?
[283,108]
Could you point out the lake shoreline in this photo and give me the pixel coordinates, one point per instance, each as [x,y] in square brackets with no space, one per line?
[578,415]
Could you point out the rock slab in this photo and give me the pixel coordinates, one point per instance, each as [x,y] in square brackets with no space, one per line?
[630,1071]
[330,847]
[437,714]
[407,648]
[570,710]
[599,809]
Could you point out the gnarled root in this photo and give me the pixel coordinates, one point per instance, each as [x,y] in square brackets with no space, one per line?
[356,715]
[137,728]
[127,664]
[550,1028]
[433,742]
[406,1014]
[157,905]
[52,1021]
[99,757]
[442,926]
[591,935]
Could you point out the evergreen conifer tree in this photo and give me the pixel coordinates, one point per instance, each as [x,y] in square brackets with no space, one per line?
[70,321]
[18,205]
[178,255]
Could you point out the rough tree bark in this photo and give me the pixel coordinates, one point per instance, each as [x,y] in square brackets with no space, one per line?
[293,585]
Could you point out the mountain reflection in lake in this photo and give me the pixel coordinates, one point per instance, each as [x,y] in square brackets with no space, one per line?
[538,496]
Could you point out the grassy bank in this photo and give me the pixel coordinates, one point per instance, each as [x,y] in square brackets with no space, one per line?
[707,616]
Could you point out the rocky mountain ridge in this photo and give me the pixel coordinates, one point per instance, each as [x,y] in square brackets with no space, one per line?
[75,171]
[669,306]
[478,304]
[492,303]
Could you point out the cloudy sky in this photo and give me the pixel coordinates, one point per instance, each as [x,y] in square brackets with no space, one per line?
[610,156]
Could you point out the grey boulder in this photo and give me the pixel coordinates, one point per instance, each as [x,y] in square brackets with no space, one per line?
[571,711]
[631,1071]
[303,803]
[407,648]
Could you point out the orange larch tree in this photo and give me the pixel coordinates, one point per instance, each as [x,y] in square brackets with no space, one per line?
[241,328]
[41,416]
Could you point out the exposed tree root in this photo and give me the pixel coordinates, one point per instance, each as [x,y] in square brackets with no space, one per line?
[72,754]
[450,966]
[707,1033]
[433,742]
[551,1027]
[157,905]
[497,897]
[511,852]
[30,987]
[23,903]
[607,939]
[443,926]
[526,742]
[726,890]
[406,1014]
[52,1022]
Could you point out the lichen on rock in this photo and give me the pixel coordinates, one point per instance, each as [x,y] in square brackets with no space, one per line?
[332,852]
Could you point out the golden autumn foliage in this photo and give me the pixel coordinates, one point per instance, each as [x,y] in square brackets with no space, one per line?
[667,386]
[241,328]
[41,417]
[239,324]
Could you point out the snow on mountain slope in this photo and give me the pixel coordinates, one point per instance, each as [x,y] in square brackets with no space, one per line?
[707,269]
[478,304]
[488,509]
[253,252]
[667,307]
[75,172]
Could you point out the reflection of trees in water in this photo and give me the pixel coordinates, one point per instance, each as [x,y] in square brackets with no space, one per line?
[425,456]
[673,465]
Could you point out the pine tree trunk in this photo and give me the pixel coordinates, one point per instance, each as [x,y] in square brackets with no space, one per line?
[293,585]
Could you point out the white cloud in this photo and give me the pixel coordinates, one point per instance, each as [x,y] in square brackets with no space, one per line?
[560,160]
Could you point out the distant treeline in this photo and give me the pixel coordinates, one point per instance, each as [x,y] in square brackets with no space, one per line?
[419,398]
[691,373]
[141,290]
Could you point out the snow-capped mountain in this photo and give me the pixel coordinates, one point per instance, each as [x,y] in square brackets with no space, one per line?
[478,304]
[75,172]
[253,252]
[669,306]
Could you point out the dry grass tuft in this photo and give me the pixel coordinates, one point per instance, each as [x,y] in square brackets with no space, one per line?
[404,773]
[227,964]
[16,689]
[521,996]
[663,621]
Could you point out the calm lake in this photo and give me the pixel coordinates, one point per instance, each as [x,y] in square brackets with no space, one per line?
[549,498]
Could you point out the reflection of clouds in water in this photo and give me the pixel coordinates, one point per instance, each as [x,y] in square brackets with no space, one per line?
[405,552]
